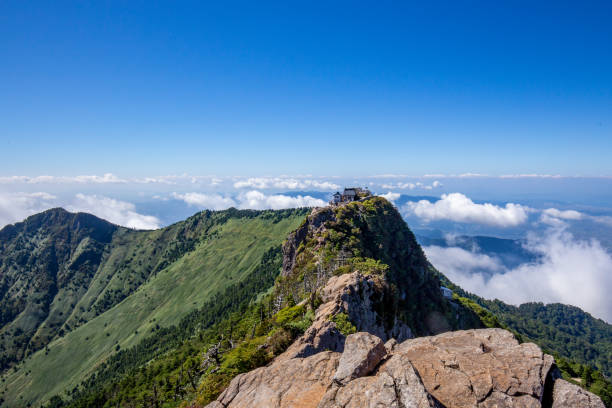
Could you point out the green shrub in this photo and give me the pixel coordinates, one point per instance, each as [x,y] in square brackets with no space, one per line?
[289,314]
[343,324]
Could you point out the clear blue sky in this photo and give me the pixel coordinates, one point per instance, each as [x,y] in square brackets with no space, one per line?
[137,88]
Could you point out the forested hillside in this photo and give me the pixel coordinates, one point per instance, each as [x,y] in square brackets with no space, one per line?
[147,281]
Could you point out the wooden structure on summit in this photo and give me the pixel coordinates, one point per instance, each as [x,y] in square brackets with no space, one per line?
[350,194]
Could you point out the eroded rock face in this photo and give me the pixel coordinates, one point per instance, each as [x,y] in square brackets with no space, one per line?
[485,368]
[479,368]
[567,395]
[362,353]
[314,222]
[395,384]
[295,383]
[355,295]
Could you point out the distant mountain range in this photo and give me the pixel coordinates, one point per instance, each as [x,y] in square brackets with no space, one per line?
[510,252]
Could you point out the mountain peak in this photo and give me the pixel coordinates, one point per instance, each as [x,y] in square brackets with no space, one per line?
[367,236]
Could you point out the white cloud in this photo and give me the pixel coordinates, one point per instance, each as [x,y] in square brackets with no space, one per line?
[115,211]
[557,218]
[85,179]
[564,215]
[459,259]
[284,183]
[258,201]
[529,176]
[603,219]
[253,199]
[208,201]
[412,186]
[391,196]
[459,208]
[15,207]
[568,271]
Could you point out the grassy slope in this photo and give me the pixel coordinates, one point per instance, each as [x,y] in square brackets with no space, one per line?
[183,286]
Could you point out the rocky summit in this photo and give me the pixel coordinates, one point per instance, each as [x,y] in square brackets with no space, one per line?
[372,298]
[459,369]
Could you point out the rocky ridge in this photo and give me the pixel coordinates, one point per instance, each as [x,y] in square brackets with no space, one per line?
[361,262]
[460,369]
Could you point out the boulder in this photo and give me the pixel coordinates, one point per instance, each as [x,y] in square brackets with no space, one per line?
[566,395]
[362,353]
[479,368]
[395,385]
[485,368]
[295,383]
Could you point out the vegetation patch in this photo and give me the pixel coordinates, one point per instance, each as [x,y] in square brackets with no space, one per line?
[343,324]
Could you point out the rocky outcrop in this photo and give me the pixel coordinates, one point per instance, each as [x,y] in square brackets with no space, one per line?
[566,394]
[358,297]
[472,368]
[479,368]
[295,383]
[313,224]
[362,353]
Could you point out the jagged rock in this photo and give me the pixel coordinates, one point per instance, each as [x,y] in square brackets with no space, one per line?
[312,223]
[357,295]
[396,386]
[353,294]
[321,335]
[295,383]
[362,353]
[566,395]
[390,345]
[485,368]
[479,368]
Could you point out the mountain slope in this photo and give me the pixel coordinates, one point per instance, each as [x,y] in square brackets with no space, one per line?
[198,262]
[47,263]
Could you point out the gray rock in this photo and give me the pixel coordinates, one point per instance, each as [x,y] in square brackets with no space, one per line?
[362,353]
[479,368]
[390,345]
[395,385]
[295,383]
[566,395]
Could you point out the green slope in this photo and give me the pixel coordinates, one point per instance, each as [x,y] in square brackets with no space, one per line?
[225,252]
[46,264]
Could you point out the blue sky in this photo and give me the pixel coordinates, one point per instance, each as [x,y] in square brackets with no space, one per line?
[349,89]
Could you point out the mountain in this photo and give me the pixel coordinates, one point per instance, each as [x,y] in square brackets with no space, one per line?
[309,318]
[47,263]
[109,287]
[510,252]
[357,284]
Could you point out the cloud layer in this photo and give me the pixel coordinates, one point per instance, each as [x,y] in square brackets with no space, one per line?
[285,183]
[253,199]
[459,208]
[115,211]
[569,271]
[15,207]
